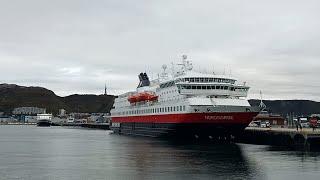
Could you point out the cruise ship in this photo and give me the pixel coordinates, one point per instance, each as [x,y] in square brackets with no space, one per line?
[184,103]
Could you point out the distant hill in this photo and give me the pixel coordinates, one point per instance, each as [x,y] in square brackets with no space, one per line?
[284,107]
[12,96]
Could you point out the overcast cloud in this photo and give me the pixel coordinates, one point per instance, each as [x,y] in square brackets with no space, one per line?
[75,46]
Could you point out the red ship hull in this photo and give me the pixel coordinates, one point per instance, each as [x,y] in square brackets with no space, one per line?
[184,125]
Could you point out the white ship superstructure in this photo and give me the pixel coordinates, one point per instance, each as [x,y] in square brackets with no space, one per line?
[184,101]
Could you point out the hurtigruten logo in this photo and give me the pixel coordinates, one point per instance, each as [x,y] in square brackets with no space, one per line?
[218,117]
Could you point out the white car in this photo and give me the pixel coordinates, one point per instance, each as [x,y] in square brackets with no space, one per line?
[265,124]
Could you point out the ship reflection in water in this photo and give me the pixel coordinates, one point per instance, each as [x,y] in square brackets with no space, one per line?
[174,160]
[28,152]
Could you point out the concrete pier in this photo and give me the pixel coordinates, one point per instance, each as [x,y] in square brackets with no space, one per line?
[305,138]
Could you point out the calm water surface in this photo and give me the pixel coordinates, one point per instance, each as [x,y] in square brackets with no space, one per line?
[29,152]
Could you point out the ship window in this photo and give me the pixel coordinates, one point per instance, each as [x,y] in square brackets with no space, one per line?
[201,79]
[193,87]
[226,88]
[197,80]
[204,87]
[208,87]
[210,79]
[184,108]
[180,108]
[232,88]
[187,79]
[191,79]
[170,109]
[174,108]
[198,87]
[217,87]
[206,79]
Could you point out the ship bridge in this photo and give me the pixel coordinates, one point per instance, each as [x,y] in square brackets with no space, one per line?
[194,83]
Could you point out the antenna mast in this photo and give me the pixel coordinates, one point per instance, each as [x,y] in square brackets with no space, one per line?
[262,105]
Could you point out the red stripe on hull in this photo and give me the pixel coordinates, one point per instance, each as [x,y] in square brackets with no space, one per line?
[214,118]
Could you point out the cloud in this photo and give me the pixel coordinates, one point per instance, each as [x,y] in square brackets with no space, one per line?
[76,46]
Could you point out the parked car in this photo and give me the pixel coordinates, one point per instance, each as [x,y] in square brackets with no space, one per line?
[265,124]
[304,122]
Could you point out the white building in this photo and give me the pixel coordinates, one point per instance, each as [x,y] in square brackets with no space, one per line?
[28,111]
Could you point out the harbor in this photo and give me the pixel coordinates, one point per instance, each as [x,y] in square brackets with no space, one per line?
[30,152]
[159,90]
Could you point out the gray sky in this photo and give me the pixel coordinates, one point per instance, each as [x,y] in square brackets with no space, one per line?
[75,46]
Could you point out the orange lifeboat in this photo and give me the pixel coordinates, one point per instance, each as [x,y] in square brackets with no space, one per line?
[152,97]
[144,96]
[132,99]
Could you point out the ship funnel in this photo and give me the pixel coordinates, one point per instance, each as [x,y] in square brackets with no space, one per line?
[144,80]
